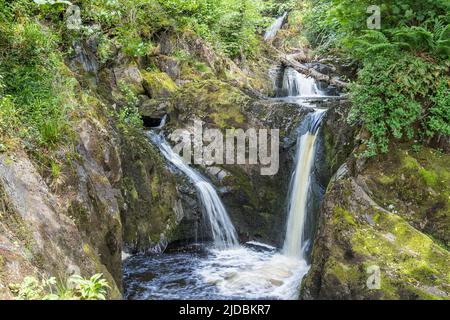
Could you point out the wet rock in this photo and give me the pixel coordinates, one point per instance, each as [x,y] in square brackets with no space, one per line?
[85,61]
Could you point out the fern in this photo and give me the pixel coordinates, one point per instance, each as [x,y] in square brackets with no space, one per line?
[413,37]
[442,46]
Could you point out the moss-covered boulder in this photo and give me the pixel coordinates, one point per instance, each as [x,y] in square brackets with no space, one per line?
[158,84]
[393,215]
[416,185]
[215,102]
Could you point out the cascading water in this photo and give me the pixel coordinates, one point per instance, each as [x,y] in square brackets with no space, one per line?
[296,84]
[275,27]
[228,270]
[298,196]
[223,232]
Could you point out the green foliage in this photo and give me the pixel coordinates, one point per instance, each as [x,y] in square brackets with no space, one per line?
[391,99]
[94,288]
[229,25]
[402,88]
[129,114]
[75,288]
[438,119]
[34,99]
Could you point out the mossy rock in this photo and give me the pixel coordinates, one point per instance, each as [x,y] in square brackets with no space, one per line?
[149,192]
[217,103]
[382,218]
[158,84]
[417,186]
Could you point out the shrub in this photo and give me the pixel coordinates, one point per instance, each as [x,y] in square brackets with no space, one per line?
[401,91]
[129,115]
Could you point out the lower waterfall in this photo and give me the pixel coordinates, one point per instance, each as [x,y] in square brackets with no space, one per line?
[298,196]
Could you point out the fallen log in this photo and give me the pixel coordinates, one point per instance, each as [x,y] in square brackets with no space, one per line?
[289,62]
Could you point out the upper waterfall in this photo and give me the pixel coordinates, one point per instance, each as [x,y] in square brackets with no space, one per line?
[296,84]
[223,231]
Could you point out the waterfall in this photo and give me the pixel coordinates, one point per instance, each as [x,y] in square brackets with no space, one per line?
[228,270]
[296,84]
[223,232]
[273,29]
[298,198]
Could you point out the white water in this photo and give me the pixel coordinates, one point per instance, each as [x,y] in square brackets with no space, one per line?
[241,272]
[223,232]
[298,196]
[274,28]
[296,84]
[211,274]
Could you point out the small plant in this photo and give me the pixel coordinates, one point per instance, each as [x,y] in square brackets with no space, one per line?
[129,114]
[56,169]
[94,288]
[74,288]
[416,147]
[33,289]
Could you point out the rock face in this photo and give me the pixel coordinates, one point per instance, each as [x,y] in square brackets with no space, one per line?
[151,209]
[36,236]
[115,195]
[390,216]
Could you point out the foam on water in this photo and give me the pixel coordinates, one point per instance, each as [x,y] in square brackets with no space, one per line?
[253,274]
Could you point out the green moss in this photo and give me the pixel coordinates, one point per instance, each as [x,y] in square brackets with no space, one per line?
[158,84]
[217,103]
[340,213]
[430,177]
[412,264]
[409,162]
[345,274]
[404,254]
[418,185]
[86,249]
[385,179]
